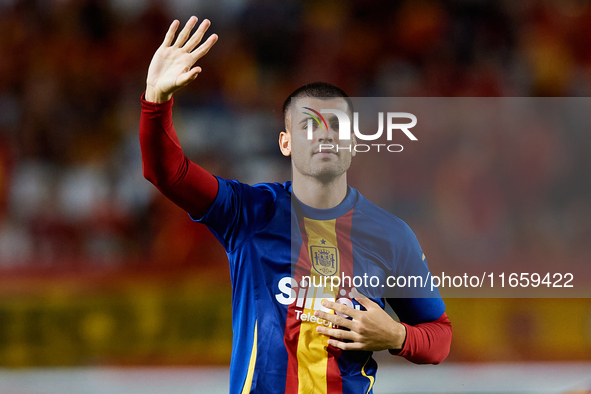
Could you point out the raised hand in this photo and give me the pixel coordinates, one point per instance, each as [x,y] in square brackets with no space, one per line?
[171,67]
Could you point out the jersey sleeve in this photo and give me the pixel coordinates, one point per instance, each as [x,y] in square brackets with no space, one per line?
[420,308]
[232,210]
[415,303]
[238,212]
[164,164]
[427,343]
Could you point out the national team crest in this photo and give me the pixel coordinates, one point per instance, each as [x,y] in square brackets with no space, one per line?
[324,259]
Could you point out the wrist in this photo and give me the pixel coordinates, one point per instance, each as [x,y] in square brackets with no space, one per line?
[398,337]
[155,96]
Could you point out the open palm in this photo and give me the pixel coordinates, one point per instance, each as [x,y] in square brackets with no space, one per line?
[172,65]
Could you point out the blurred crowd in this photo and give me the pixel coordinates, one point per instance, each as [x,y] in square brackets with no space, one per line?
[72,194]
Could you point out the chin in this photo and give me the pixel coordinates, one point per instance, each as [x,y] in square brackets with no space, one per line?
[328,175]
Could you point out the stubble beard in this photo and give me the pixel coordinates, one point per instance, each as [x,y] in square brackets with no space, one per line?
[323,172]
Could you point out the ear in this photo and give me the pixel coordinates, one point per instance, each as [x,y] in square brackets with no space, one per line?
[285,143]
[353,144]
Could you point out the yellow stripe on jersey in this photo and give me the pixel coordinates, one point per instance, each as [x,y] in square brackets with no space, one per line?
[312,347]
[322,247]
[251,364]
[312,358]
[371,378]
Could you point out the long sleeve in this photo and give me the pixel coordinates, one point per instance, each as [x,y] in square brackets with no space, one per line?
[164,164]
[427,343]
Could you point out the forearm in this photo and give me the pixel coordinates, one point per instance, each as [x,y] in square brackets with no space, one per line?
[165,165]
[427,343]
[162,155]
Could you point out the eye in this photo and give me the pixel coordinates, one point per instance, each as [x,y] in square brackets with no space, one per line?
[334,126]
[314,126]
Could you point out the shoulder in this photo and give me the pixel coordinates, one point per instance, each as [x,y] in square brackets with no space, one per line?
[395,228]
[274,189]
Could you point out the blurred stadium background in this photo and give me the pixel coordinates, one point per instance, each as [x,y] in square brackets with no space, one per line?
[106,287]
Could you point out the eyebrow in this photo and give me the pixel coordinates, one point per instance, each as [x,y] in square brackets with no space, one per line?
[331,119]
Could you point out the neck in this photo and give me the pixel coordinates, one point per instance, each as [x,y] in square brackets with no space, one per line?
[318,194]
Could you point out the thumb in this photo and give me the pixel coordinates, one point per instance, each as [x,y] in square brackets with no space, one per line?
[363,300]
[189,76]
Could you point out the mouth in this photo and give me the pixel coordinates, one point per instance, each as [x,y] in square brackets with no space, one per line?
[325,153]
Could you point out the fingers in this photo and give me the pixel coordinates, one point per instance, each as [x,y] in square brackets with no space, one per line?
[184,34]
[341,308]
[197,36]
[170,33]
[365,302]
[334,319]
[339,334]
[204,48]
[345,345]
[189,76]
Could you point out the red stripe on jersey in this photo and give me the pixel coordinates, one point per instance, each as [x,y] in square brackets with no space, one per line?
[292,324]
[334,380]
[343,230]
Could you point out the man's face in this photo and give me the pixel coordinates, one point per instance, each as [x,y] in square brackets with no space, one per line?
[307,157]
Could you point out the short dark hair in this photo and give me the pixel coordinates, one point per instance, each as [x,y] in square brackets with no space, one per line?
[318,90]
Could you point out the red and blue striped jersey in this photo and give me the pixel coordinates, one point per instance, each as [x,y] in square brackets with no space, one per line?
[276,248]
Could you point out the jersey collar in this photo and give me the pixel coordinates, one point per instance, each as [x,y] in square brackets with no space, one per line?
[323,214]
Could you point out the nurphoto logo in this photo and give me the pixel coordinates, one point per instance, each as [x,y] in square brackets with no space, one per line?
[345,129]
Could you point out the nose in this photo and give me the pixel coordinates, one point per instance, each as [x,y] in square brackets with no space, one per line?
[324,134]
